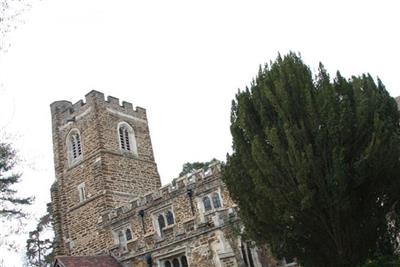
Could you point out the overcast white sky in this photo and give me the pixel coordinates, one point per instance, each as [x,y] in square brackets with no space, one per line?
[181,60]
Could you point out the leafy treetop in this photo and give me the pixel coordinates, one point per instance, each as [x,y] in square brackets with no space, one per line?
[189,167]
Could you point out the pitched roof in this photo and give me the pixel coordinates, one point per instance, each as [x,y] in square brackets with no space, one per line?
[86,261]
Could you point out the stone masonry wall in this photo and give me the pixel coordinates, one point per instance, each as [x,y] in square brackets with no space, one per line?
[205,238]
[111,176]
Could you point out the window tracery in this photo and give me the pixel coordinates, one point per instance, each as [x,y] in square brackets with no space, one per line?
[126,137]
[175,261]
[74,146]
[207,203]
[170,218]
[162,219]
[216,200]
[122,237]
[210,202]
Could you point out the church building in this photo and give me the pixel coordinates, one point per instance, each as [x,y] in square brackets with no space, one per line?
[109,206]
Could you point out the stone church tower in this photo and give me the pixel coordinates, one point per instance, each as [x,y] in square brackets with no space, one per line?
[109,207]
[103,158]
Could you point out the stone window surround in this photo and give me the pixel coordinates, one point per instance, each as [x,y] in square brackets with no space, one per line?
[200,203]
[170,260]
[132,138]
[170,255]
[71,160]
[162,212]
[116,234]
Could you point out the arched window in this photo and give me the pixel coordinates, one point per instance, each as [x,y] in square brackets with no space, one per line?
[170,217]
[216,200]
[161,222]
[128,234]
[207,203]
[126,136]
[184,261]
[74,146]
[167,264]
[175,262]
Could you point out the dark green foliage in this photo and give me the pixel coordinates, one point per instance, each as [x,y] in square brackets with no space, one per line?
[9,203]
[383,261]
[315,164]
[188,167]
[39,250]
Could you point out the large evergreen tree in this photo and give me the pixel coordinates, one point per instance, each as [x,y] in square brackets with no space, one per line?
[315,164]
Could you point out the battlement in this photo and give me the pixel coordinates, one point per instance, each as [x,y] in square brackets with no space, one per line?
[69,111]
[181,185]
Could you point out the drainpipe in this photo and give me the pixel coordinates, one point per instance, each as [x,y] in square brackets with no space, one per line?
[190,195]
[141,213]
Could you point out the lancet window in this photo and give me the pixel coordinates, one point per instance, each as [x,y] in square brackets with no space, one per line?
[126,137]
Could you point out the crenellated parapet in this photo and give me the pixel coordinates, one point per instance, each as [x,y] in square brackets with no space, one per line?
[183,197]
[69,112]
[195,183]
